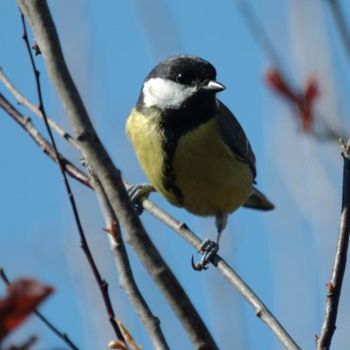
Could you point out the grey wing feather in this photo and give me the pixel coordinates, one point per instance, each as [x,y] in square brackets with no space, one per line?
[234,137]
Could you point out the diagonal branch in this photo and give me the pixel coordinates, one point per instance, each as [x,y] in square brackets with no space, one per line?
[28,126]
[232,277]
[49,324]
[22,100]
[102,284]
[335,285]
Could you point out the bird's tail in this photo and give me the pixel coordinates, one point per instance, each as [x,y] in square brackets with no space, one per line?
[258,200]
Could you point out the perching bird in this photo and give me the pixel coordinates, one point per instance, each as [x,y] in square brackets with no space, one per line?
[190,145]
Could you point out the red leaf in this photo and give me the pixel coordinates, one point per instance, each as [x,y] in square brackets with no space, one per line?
[311,91]
[303,100]
[306,104]
[23,296]
[306,116]
[276,80]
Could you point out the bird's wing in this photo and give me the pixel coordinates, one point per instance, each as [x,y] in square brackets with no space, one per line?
[234,137]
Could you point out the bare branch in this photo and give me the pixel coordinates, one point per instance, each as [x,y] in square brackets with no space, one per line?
[44,319]
[27,125]
[335,285]
[46,36]
[102,284]
[34,109]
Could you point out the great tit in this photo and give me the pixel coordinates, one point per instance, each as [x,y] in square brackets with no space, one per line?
[191,147]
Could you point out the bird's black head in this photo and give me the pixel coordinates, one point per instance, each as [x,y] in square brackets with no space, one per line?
[178,80]
[185,70]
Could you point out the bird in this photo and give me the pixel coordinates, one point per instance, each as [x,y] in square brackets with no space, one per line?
[191,147]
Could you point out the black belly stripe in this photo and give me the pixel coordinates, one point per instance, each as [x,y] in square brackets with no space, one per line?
[176,123]
[169,179]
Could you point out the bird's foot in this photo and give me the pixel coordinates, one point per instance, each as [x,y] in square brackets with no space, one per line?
[208,248]
[137,193]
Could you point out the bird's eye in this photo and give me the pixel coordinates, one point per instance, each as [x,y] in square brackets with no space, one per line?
[184,78]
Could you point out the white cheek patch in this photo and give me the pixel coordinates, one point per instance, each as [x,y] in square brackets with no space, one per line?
[164,93]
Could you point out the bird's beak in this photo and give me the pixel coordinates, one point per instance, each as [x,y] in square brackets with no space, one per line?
[213,86]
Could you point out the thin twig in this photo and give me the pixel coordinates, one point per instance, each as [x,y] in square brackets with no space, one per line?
[341,24]
[102,284]
[22,100]
[28,126]
[335,285]
[44,319]
[46,36]
[193,239]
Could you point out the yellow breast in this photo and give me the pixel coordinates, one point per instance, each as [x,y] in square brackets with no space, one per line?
[147,140]
[207,173]
[210,177]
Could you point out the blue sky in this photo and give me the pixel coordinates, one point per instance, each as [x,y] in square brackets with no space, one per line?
[285,256]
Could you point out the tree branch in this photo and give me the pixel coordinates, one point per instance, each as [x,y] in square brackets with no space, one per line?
[46,36]
[28,126]
[22,100]
[50,325]
[335,285]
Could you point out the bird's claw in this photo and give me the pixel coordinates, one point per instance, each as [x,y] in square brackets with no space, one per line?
[137,193]
[209,249]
